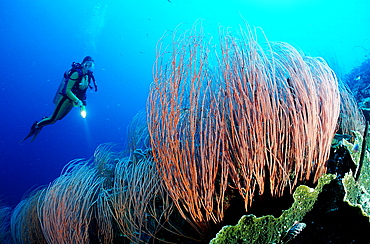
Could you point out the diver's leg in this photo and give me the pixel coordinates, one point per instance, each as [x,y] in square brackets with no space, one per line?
[65,109]
[61,110]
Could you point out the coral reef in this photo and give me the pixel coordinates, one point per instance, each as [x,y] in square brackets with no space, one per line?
[225,131]
[268,229]
[25,225]
[259,120]
[5,234]
[358,81]
[338,210]
[358,191]
[326,210]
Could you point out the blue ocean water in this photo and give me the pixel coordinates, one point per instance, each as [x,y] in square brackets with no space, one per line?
[40,39]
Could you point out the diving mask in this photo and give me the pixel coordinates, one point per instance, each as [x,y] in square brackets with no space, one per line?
[89,66]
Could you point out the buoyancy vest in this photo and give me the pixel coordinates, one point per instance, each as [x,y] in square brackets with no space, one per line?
[81,94]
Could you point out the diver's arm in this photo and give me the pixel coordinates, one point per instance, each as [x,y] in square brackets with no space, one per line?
[71,82]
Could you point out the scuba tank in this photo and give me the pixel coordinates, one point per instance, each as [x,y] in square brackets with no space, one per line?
[59,93]
[62,86]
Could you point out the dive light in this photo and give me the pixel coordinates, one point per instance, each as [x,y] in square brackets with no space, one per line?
[83,111]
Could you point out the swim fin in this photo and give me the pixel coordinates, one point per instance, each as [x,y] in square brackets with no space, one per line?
[35,130]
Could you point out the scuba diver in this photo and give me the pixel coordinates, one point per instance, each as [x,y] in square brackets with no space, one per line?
[71,93]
